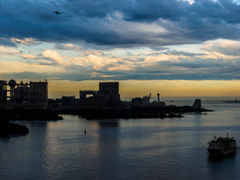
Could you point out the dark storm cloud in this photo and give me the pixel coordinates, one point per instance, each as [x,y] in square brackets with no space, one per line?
[178,75]
[151,10]
[100,24]
[133,10]
[105,23]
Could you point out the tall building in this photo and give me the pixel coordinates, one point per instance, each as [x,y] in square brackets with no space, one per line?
[3,91]
[38,92]
[109,88]
[33,92]
[107,97]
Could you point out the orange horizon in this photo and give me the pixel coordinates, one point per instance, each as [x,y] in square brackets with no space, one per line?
[138,88]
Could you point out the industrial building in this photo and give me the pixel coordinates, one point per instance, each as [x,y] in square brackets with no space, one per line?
[106,98]
[145,101]
[32,92]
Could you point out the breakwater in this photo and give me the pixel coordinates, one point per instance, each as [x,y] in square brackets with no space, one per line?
[135,112]
[29,115]
[7,128]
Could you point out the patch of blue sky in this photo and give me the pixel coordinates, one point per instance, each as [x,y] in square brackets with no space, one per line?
[36,48]
[129,51]
[191,48]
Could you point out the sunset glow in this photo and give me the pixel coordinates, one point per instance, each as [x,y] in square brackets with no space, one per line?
[176,48]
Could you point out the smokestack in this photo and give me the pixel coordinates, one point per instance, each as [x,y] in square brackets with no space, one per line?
[158,97]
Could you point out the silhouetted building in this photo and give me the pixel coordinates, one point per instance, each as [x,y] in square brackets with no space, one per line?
[106,98]
[126,104]
[76,101]
[54,104]
[109,88]
[33,92]
[68,101]
[136,101]
[100,102]
[3,91]
[83,93]
[158,104]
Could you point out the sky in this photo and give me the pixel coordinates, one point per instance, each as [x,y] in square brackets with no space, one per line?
[178,48]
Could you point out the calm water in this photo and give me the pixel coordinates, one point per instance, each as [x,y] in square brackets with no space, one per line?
[123,149]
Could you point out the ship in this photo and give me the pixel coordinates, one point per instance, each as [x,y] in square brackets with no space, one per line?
[222,146]
[235,101]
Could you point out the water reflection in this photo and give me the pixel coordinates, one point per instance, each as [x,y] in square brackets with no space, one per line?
[6,138]
[35,124]
[29,124]
[120,149]
[108,148]
[24,155]
[222,167]
[103,124]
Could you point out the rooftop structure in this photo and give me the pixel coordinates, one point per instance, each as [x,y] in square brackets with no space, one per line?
[83,93]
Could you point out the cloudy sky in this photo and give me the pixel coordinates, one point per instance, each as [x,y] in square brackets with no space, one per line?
[175,47]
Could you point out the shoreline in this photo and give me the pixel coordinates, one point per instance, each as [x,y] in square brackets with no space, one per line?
[135,112]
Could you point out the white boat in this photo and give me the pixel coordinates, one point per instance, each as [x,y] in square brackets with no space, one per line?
[222,146]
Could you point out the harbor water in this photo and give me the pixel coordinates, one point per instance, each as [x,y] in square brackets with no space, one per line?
[113,149]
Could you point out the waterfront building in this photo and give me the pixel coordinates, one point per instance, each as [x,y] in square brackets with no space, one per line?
[38,92]
[100,102]
[136,101]
[32,92]
[126,104]
[84,93]
[109,88]
[54,104]
[158,104]
[107,97]
[3,91]
[68,101]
